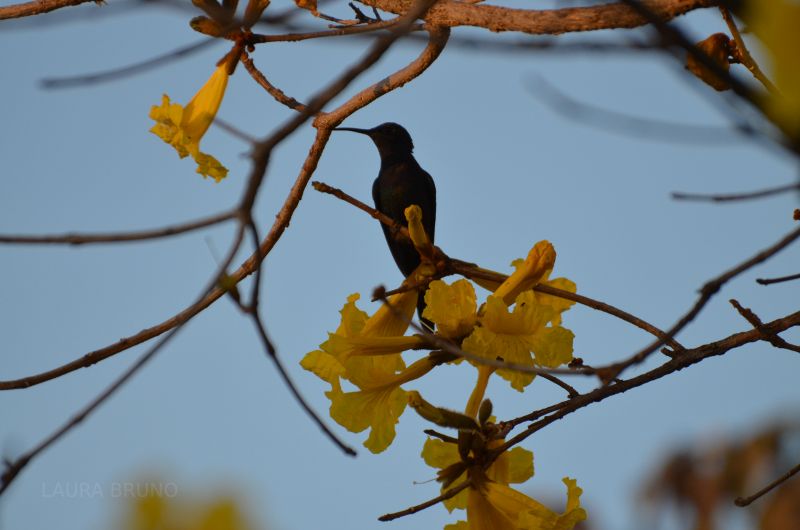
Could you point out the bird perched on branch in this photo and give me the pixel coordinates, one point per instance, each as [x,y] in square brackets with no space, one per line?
[401,182]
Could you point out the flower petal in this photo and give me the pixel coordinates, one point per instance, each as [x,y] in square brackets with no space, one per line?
[538,264]
[203,107]
[323,365]
[440,454]
[512,467]
[451,307]
[378,409]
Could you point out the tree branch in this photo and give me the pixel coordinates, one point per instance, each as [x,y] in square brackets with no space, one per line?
[471,271]
[38,7]
[452,492]
[437,42]
[271,89]
[768,281]
[125,71]
[13,468]
[766,192]
[766,489]
[688,358]
[547,21]
[118,237]
[706,293]
[772,338]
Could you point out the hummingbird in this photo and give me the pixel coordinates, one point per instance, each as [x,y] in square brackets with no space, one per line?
[401,182]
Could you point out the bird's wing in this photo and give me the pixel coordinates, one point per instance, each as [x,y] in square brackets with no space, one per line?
[430,225]
[376,196]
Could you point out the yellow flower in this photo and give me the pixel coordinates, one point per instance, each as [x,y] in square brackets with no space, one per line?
[513,335]
[534,324]
[378,404]
[528,273]
[324,364]
[559,305]
[184,127]
[380,335]
[511,467]
[532,327]
[451,307]
[495,506]
[532,271]
[366,352]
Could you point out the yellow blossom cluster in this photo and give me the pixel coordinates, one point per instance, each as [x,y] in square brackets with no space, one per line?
[515,328]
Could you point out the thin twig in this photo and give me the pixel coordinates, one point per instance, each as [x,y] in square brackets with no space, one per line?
[254,310]
[629,125]
[768,281]
[688,358]
[743,54]
[272,354]
[419,65]
[397,228]
[674,38]
[233,130]
[773,339]
[13,468]
[740,501]
[735,196]
[261,153]
[571,392]
[706,293]
[274,91]
[336,32]
[536,414]
[125,71]
[452,492]
[117,237]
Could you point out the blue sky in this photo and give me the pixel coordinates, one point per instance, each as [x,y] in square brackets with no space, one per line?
[210,414]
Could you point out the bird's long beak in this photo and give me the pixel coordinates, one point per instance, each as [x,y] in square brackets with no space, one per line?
[352,129]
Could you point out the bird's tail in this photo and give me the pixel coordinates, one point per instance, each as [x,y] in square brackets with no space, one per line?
[420,308]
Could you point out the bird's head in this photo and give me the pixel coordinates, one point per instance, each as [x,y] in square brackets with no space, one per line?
[390,138]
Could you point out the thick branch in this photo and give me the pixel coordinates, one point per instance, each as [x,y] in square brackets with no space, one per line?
[37,7]
[437,39]
[547,21]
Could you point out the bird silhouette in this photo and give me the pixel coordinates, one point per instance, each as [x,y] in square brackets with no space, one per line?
[401,182]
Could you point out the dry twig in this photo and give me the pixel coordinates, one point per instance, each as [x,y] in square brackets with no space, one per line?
[118,237]
[744,501]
